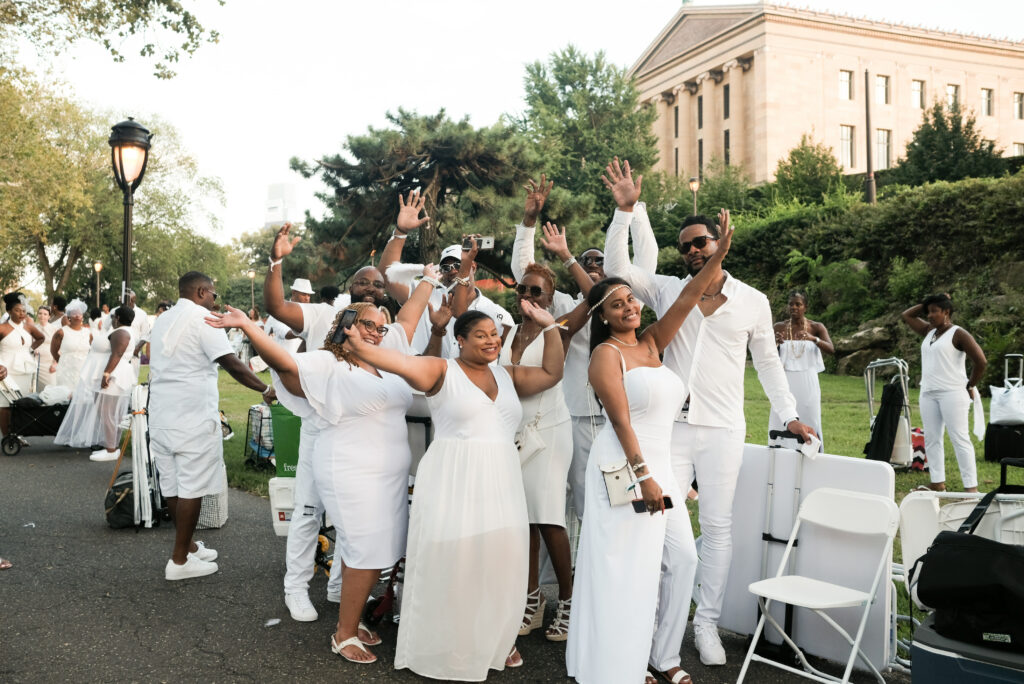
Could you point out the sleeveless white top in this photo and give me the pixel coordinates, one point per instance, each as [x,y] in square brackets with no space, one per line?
[942,365]
[16,350]
[801,355]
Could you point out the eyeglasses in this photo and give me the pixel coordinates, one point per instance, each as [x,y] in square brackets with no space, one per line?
[376,284]
[370,326]
[534,290]
[449,267]
[592,261]
[698,242]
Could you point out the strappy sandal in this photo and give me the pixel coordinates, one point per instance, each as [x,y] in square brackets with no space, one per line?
[650,679]
[558,630]
[514,663]
[680,677]
[374,639]
[534,615]
[352,641]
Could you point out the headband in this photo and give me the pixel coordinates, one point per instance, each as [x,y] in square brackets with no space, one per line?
[606,296]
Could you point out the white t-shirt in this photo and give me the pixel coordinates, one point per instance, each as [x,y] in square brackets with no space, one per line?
[279,331]
[140,325]
[182,367]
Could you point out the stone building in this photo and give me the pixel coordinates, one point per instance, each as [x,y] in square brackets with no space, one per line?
[744,82]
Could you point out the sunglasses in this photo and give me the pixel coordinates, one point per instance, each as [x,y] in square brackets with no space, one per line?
[592,261]
[370,326]
[449,267]
[376,284]
[698,242]
[534,291]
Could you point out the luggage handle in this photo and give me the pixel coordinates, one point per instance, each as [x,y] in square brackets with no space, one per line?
[1017,380]
[784,434]
[972,521]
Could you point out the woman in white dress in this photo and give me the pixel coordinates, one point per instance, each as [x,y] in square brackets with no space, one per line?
[618,563]
[18,338]
[103,394]
[801,343]
[361,453]
[47,366]
[465,570]
[70,345]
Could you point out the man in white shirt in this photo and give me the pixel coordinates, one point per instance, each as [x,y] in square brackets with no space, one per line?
[709,354]
[184,423]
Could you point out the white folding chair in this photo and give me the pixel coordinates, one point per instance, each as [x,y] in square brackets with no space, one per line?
[843,511]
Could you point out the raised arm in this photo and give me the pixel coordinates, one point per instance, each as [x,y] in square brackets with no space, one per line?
[535,379]
[423,373]
[607,381]
[463,288]
[411,312]
[270,351]
[409,219]
[438,325]
[289,313]
[912,317]
[619,180]
[666,327]
[645,245]
[554,242]
[522,247]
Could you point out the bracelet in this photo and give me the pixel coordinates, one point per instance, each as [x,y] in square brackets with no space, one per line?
[637,481]
[274,263]
[433,282]
[398,235]
[550,327]
[637,467]
[264,392]
[462,281]
[438,331]
[569,262]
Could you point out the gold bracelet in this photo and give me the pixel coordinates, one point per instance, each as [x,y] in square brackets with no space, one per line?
[462,281]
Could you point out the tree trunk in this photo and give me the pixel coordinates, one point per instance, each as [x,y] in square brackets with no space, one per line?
[429,234]
[49,270]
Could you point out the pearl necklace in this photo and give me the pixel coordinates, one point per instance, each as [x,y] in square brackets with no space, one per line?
[624,343]
[799,349]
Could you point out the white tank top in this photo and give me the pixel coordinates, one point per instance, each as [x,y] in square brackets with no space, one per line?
[943,366]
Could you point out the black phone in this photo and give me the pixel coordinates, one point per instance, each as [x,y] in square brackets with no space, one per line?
[347,319]
[640,507]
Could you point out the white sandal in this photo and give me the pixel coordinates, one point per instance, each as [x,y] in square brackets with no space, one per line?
[352,641]
[374,640]
[558,630]
[533,617]
[680,677]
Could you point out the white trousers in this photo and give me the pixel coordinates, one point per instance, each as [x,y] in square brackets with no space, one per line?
[947,410]
[304,529]
[584,428]
[714,455]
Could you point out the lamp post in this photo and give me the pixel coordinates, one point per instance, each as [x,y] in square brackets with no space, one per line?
[252,289]
[129,150]
[694,187]
[97,267]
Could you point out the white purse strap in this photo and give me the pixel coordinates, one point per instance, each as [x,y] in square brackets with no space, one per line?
[591,393]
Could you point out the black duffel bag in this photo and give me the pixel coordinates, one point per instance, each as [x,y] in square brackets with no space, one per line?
[119,503]
[975,585]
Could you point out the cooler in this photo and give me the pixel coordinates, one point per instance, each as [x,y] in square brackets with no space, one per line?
[938,660]
[282,502]
[287,427]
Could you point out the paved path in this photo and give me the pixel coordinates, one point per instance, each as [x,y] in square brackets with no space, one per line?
[86,603]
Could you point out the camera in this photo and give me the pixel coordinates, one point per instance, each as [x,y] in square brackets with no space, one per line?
[481,242]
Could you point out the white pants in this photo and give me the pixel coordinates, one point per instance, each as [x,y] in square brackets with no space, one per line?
[948,409]
[583,430]
[304,528]
[714,455]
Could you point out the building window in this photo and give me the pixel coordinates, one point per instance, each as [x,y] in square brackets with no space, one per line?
[846,142]
[677,161]
[845,85]
[1018,105]
[883,148]
[700,158]
[700,112]
[1018,149]
[952,96]
[675,117]
[725,101]
[917,94]
[986,102]
[726,148]
[882,89]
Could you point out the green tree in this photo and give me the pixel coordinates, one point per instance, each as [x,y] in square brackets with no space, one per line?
[723,186]
[51,25]
[948,146]
[808,173]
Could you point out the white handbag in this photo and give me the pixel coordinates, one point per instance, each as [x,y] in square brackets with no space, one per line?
[618,479]
[1007,407]
[528,441]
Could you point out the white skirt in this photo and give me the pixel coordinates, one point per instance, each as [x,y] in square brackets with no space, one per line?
[545,476]
[93,419]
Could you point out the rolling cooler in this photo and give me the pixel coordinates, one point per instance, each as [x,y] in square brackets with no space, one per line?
[1005,438]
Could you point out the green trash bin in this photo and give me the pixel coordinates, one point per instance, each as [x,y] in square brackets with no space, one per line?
[287,426]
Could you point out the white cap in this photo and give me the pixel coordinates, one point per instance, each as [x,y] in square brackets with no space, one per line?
[451,252]
[302,285]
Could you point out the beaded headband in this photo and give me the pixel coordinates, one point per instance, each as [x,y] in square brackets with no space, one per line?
[606,296]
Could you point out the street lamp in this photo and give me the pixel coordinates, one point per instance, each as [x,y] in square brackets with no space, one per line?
[252,289]
[129,150]
[694,187]
[97,267]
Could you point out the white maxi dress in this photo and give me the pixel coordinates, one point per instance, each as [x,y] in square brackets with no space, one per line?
[618,564]
[95,414]
[466,563]
[802,361]
[546,472]
[74,348]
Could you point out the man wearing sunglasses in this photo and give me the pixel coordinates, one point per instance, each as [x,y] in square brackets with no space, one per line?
[709,354]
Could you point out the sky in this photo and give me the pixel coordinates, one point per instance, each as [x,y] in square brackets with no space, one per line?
[294,79]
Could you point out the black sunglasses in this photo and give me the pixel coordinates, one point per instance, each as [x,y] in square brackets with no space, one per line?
[370,326]
[592,261]
[534,290]
[449,267]
[698,242]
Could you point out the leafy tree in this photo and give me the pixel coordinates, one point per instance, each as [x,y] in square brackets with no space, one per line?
[50,25]
[948,146]
[808,173]
[723,186]
[464,173]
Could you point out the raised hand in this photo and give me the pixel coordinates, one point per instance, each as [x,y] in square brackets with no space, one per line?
[431,271]
[283,243]
[619,179]
[554,241]
[442,314]
[231,318]
[726,231]
[474,247]
[538,315]
[536,196]
[409,208]
[354,338]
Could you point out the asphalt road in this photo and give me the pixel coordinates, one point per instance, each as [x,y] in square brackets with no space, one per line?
[86,603]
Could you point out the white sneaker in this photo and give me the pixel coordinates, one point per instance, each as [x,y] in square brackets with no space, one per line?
[300,607]
[203,553]
[709,645]
[334,596]
[193,567]
[103,455]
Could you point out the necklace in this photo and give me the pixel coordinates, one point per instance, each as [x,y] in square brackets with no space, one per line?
[623,342]
[939,332]
[706,297]
[798,350]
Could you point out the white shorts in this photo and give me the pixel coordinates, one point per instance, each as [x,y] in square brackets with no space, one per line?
[190,461]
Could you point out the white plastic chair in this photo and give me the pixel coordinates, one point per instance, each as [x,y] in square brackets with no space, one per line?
[844,511]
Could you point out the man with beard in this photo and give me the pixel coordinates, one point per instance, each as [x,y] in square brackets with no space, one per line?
[709,354]
[583,407]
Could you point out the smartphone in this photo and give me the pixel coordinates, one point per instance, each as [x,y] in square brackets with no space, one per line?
[640,507]
[482,243]
[347,319]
